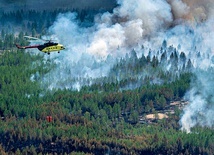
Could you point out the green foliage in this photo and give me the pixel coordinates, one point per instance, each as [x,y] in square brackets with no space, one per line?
[86,121]
[98,119]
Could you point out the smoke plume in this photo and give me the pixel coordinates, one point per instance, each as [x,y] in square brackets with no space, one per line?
[92,51]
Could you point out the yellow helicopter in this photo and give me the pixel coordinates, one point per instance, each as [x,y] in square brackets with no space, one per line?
[47,47]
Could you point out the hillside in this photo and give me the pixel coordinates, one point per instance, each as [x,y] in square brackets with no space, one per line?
[101,118]
[120,87]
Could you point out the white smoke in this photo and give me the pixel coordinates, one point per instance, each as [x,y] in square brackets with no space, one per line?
[200,111]
[154,14]
[106,40]
[92,51]
[177,6]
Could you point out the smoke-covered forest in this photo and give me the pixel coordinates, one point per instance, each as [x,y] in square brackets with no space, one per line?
[79,102]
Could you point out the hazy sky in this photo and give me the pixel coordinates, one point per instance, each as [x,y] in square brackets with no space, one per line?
[8,5]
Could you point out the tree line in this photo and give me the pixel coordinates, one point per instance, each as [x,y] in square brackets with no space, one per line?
[37,22]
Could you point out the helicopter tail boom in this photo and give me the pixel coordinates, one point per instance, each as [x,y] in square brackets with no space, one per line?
[19,47]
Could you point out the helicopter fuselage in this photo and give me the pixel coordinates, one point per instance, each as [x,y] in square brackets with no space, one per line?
[50,47]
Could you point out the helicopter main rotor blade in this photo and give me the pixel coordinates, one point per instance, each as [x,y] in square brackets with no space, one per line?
[34,38]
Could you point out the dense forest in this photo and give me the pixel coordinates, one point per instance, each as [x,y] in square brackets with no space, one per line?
[37,22]
[102,118]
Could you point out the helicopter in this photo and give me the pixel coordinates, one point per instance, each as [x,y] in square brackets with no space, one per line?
[47,47]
